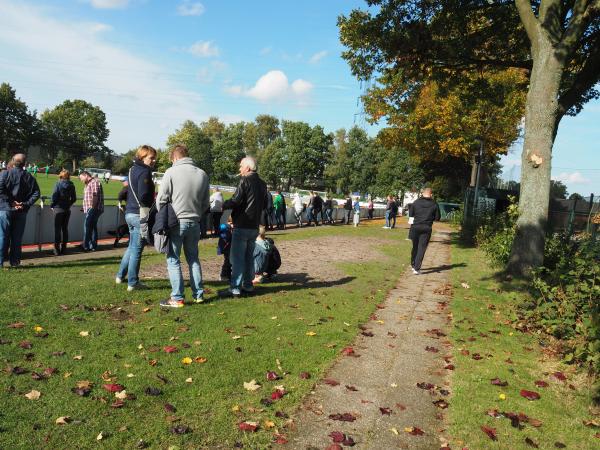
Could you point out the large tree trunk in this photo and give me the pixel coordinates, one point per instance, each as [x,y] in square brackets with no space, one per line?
[541,121]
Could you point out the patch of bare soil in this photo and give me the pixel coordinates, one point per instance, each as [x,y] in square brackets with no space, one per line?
[302,261]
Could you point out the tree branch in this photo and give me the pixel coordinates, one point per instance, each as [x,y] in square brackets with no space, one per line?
[549,18]
[530,22]
[583,12]
[585,80]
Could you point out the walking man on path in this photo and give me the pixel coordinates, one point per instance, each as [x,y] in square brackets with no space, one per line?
[247,205]
[93,207]
[18,192]
[186,187]
[424,210]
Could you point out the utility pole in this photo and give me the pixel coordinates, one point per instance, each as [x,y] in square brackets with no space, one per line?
[478,161]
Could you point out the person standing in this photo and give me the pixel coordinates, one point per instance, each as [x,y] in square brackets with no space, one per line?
[47,170]
[298,208]
[185,186]
[347,209]
[389,206]
[93,207]
[370,208]
[216,210]
[328,209]
[309,209]
[18,192]
[278,205]
[394,212]
[317,208]
[424,210]
[63,198]
[247,205]
[269,211]
[356,209]
[140,198]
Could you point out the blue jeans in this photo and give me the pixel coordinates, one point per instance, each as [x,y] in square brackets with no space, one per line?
[328,215]
[12,227]
[90,229]
[130,263]
[187,236]
[387,218]
[242,258]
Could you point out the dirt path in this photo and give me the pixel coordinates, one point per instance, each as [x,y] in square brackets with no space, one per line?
[393,360]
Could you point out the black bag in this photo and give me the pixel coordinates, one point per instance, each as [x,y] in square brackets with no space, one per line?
[273,258]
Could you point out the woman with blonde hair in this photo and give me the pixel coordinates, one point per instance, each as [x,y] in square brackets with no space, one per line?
[63,198]
[140,198]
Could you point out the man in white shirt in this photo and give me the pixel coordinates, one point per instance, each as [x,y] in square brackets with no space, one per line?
[216,210]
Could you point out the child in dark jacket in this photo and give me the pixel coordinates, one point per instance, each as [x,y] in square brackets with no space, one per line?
[223,248]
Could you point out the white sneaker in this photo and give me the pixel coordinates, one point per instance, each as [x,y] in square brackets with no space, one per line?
[415,271]
[385,227]
[118,280]
[137,287]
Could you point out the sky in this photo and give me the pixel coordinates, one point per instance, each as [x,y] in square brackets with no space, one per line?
[152,64]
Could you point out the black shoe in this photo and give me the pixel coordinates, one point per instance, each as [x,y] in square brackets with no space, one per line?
[227,293]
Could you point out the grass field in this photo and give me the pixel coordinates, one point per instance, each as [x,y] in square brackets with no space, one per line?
[483,314]
[111,190]
[91,330]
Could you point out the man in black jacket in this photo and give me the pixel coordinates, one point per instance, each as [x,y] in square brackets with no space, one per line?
[247,205]
[424,210]
[18,192]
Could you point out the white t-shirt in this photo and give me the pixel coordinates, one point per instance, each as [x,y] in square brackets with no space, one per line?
[216,202]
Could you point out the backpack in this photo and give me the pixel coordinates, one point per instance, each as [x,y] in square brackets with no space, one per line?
[273,258]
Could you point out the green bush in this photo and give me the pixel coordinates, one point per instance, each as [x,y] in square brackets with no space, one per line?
[567,296]
[496,233]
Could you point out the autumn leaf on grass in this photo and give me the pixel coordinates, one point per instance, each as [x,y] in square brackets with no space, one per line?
[248,426]
[304,375]
[541,384]
[113,387]
[277,394]
[559,376]
[251,385]
[530,442]
[311,333]
[279,439]
[272,376]
[331,381]
[498,382]
[169,408]
[33,395]
[180,429]
[122,395]
[187,360]
[491,432]
[529,395]
[200,360]
[170,349]
[415,431]
[351,388]
[385,411]
[63,420]
[268,424]
[465,285]
[38,329]
[16,325]
[431,349]
[84,333]
[152,391]
[425,386]
[348,351]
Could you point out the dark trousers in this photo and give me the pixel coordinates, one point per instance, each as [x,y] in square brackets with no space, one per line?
[420,235]
[347,214]
[370,213]
[226,267]
[216,222]
[61,228]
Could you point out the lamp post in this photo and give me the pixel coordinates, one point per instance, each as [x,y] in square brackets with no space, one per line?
[478,161]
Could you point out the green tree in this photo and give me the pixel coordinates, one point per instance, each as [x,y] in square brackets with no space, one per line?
[271,164]
[19,127]
[77,128]
[397,173]
[338,172]
[227,153]
[267,130]
[558,189]
[213,128]
[555,42]
[198,143]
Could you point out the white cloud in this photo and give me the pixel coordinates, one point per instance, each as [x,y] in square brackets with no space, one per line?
[208,73]
[109,4]
[265,51]
[58,59]
[274,86]
[204,49]
[314,59]
[189,8]
[97,27]
[572,178]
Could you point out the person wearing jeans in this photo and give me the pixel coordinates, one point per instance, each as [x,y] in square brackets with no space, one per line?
[186,236]
[93,207]
[185,186]
[247,205]
[140,198]
[18,192]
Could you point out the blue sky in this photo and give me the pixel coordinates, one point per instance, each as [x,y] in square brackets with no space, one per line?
[152,64]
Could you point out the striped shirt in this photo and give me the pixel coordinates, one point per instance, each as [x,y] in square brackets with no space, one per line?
[93,196]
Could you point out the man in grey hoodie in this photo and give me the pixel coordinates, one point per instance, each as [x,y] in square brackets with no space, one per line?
[186,187]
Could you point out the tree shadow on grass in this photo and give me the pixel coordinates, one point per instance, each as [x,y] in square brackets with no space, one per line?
[298,281]
[442,268]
